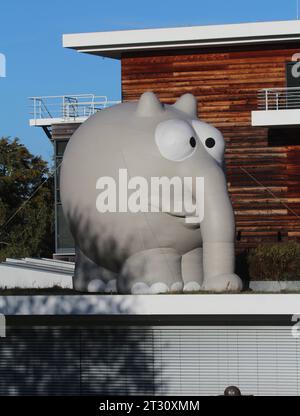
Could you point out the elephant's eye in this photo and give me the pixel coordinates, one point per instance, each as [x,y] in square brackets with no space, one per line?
[175,139]
[210,142]
[193,142]
[211,138]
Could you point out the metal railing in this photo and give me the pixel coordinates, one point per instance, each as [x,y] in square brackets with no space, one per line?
[279,98]
[67,107]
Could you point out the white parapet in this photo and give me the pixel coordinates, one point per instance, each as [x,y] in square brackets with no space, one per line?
[167,305]
[265,118]
[36,274]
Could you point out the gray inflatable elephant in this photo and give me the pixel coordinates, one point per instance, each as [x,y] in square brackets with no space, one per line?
[129,238]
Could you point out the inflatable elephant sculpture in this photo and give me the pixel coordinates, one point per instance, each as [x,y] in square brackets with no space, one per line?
[131,239]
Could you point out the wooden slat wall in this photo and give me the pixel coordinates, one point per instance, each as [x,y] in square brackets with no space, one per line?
[63,131]
[225,82]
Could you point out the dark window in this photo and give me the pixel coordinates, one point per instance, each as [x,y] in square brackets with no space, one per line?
[63,240]
[60,147]
[291,80]
[285,136]
[293,85]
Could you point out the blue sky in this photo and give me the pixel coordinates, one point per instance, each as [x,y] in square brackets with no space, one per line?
[30,37]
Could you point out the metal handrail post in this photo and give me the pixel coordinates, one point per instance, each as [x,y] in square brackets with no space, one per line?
[34,108]
[277,100]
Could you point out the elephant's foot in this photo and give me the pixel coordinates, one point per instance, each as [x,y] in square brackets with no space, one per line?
[140,288]
[98,285]
[89,277]
[150,272]
[223,283]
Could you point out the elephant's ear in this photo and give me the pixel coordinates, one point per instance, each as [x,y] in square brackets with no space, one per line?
[188,104]
[149,105]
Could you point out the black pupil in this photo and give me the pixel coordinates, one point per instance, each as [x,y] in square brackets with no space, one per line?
[193,141]
[210,142]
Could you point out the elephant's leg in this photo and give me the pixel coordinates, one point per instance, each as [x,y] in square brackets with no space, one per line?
[192,270]
[151,271]
[89,277]
[218,264]
[218,233]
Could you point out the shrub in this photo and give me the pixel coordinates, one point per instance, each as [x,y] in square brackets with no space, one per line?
[276,261]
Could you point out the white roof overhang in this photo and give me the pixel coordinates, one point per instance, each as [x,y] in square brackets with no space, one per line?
[114,44]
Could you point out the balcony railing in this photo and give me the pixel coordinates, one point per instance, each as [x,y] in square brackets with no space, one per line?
[279,98]
[66,108]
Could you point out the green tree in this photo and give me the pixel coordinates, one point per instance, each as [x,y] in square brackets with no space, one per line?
[26,203]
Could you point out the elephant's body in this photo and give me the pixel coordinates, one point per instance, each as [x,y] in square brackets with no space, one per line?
[141,252]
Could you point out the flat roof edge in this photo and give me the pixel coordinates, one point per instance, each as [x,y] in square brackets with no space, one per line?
[185,305]
[114,43]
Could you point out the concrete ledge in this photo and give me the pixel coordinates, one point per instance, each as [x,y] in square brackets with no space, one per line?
[275,285]
[59,120]
[262,118]
[30,273]
[202,304]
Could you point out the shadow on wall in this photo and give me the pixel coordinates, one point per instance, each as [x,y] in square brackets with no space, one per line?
[51,358]
[112,254]
[107,255]
[88,275]
[55,360]
[242,267]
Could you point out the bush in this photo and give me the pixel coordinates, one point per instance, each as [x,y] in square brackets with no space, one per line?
[276,261]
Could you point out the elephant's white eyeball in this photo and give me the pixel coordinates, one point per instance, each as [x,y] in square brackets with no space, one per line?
[211,139]
[175,139]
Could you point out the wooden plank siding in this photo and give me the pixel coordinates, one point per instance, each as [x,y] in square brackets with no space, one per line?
[263,174]
[63,131]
